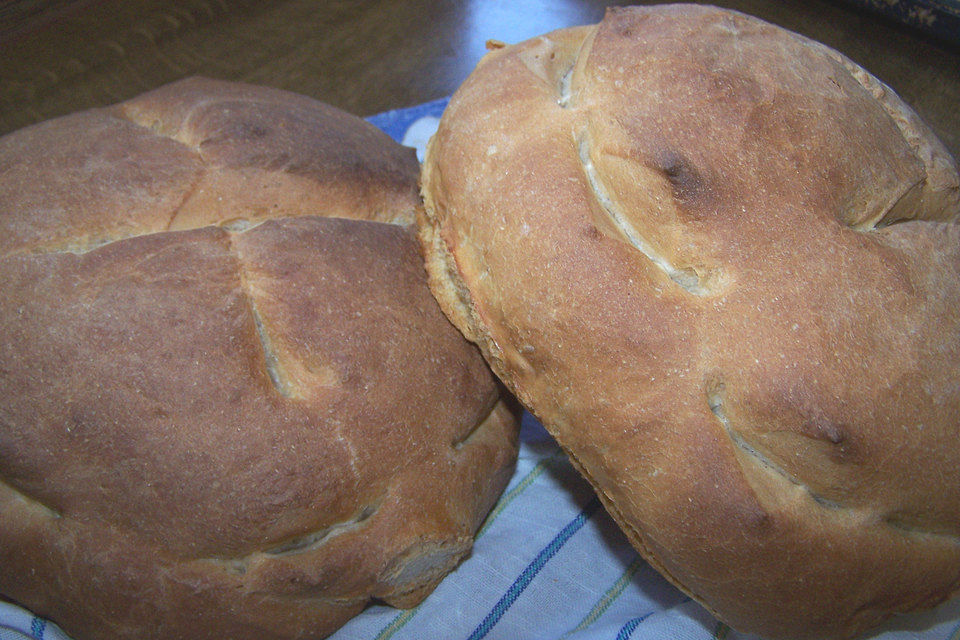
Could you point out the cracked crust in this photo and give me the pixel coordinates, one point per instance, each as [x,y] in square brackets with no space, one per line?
[227,410]
[720,263]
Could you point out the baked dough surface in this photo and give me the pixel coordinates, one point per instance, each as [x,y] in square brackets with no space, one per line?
[226,409]
[719,261]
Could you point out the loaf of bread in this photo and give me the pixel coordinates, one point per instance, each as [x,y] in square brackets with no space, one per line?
[721,263]
[229,406]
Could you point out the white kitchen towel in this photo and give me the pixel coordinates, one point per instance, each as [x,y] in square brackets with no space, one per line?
[548,563]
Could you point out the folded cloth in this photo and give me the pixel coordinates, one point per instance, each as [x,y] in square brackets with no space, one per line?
[548,563]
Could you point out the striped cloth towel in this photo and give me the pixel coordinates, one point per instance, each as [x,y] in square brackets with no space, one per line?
[548,563]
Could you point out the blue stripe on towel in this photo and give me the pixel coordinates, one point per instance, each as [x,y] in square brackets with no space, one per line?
[955,634]
[631,626]
[528,574]
[37,627]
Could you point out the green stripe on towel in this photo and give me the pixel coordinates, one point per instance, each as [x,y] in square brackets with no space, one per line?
[611,594]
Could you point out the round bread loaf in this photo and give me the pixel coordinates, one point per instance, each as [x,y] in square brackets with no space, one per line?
[222,414]
[719,261]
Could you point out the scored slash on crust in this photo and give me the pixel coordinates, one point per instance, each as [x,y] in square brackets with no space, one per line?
[312,540]
[484,421]
[83,246]
[271,359]
[565,80]
[715,400]
[16,494]
[686,278]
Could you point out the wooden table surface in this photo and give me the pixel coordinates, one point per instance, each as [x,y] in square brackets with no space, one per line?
[58,56]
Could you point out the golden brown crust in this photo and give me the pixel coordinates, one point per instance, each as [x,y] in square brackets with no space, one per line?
[207,153]
[718,261]
[221,429]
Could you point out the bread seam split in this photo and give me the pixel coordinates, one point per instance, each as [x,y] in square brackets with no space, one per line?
[187,194]
[73,246]
[910,529]
[880,220]
[464,440]
[122,113]
[301,544]
[310,541]
[315,598]
[564,99]
[715,400]
[687,279]
[272,363]
[565,86]
[47,510]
